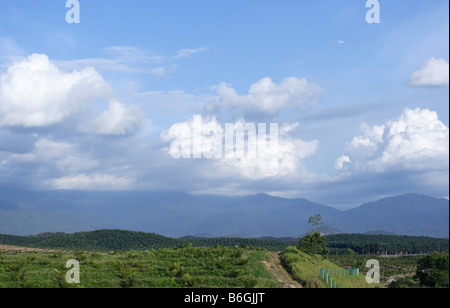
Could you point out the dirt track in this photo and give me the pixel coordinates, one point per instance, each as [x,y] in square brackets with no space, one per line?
[274,267]
[7,248]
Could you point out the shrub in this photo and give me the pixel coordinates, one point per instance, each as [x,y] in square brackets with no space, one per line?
[18,274]
[433,270]
[314,244]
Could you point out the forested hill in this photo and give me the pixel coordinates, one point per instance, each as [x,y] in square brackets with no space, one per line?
[379,244]
[130,240]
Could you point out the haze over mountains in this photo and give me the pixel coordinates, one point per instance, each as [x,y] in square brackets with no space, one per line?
[178,214]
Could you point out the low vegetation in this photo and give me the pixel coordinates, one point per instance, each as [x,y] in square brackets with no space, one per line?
[433,270]
[391,269]
[123,259]
[305,269]
[229,267]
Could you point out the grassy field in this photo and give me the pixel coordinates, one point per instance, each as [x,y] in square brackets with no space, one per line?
[305,268]
[192,267]
[167,268]
[187,267]
[154,261]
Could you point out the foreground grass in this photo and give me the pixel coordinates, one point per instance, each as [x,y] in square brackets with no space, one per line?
[305,269]
[220,267]
[229,267]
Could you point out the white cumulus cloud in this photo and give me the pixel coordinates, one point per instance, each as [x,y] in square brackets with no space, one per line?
[267,97]
[434,73]
[118,119]
[417,140]
[56,156]
[275,154]
[342,162]
[35,93]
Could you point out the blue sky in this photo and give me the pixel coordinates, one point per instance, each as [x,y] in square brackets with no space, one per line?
[368,102]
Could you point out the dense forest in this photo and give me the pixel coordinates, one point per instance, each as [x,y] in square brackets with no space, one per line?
[382,244]
[129,240]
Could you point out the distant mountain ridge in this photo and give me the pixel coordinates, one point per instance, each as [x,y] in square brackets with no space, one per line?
[410,214]
[177,214]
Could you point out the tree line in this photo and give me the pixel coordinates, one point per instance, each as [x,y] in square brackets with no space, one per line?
[382,244]
[130,240]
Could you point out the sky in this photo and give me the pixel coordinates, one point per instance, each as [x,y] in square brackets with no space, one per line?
[362,108]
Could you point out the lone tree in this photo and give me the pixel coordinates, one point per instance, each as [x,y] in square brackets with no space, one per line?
[315,221]
[314,243]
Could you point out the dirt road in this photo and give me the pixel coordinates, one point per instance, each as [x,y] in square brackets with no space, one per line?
[274,267]
[7,248]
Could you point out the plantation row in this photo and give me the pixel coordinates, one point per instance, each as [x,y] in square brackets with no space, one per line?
[118,240]
[381,244]
[165,268]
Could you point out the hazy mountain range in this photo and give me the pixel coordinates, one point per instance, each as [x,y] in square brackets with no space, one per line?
[177,214]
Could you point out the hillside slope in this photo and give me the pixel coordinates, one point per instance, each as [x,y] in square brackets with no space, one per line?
[406,215]
[25,221]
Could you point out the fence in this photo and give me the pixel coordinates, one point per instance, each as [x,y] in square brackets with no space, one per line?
[328,274]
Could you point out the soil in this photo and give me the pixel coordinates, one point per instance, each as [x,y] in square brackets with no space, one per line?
[274,267]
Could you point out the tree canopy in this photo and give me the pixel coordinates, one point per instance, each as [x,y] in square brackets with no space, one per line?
[433,270]
[314,244]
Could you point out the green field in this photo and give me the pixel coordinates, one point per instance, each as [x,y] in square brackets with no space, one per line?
[188,267]
[164,268]
[305,268]
[123,259]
